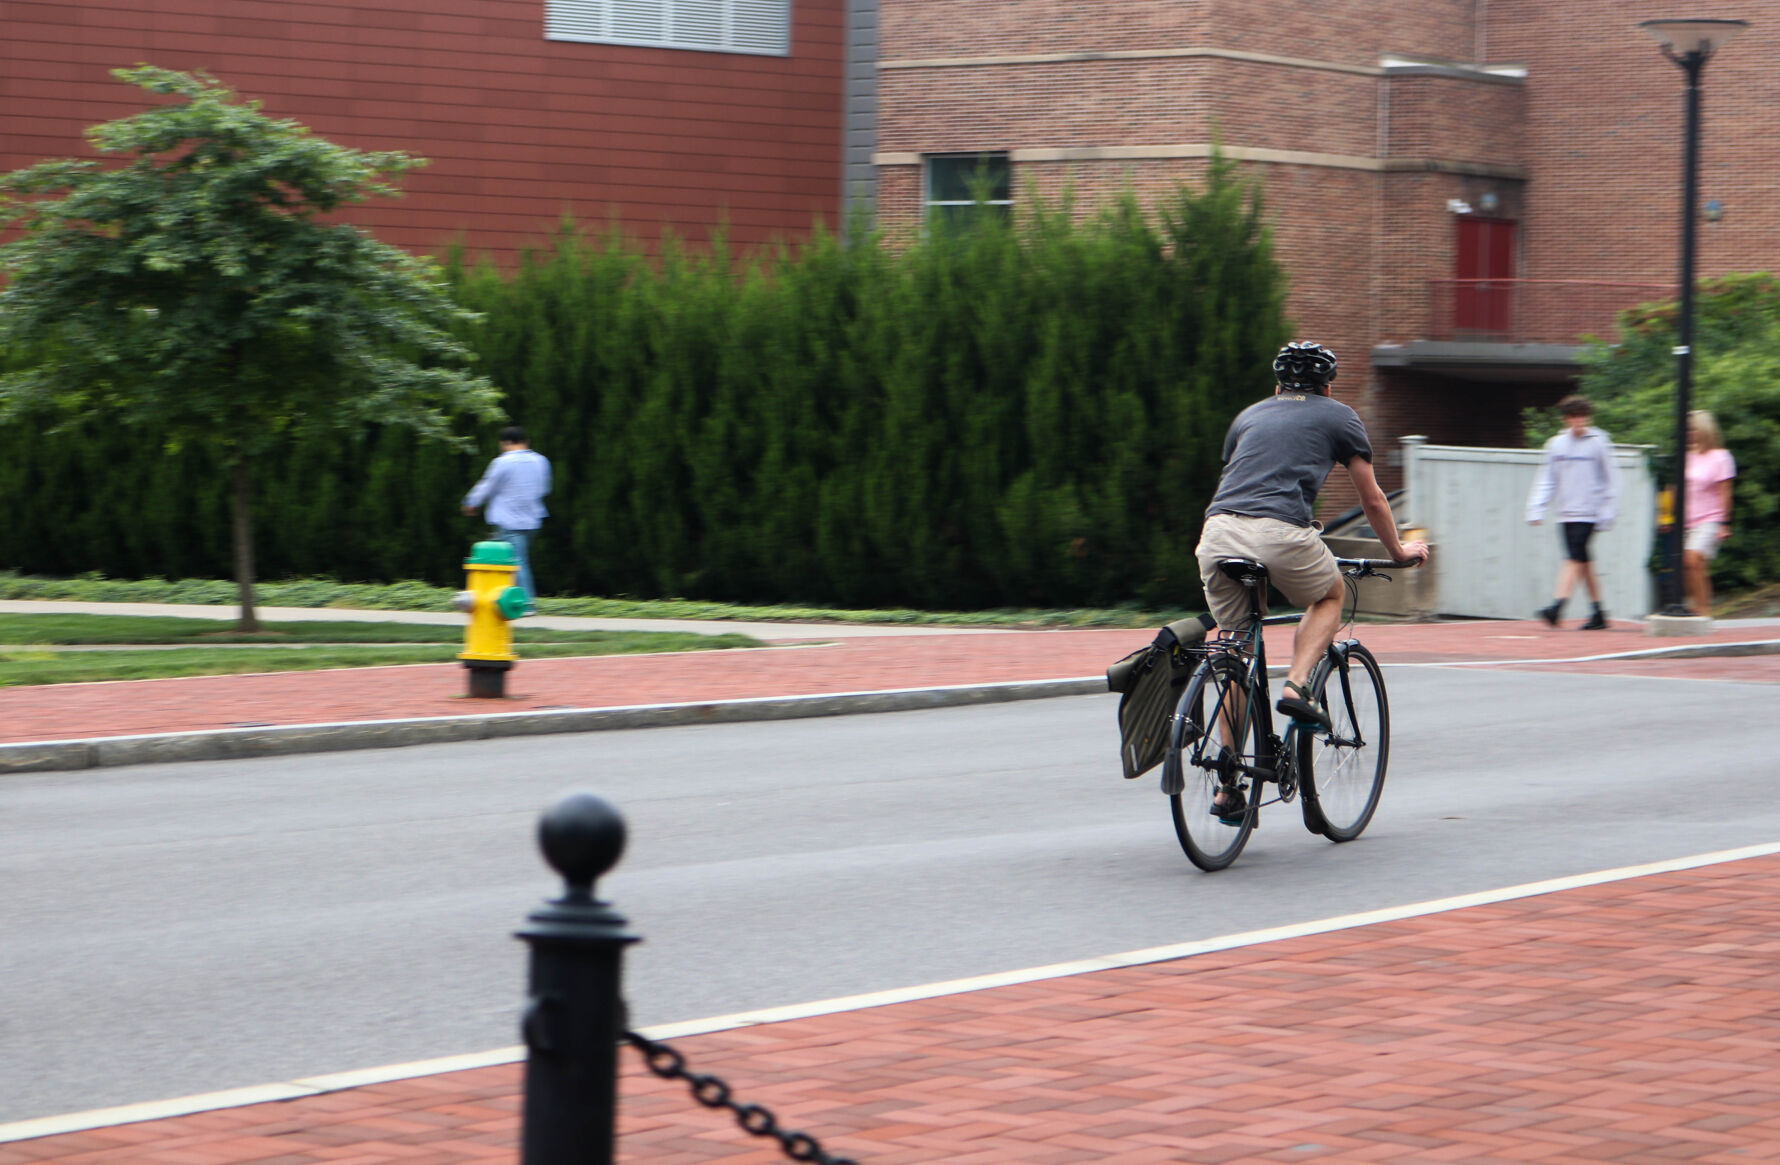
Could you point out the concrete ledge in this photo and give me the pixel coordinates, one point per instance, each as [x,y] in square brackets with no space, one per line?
[1676,626]
[244,743]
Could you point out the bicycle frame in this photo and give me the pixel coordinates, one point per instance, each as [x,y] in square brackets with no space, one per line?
[1276,755]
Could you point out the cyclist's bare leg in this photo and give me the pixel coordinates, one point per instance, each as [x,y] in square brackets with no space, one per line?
[1233,703]
[1315,633]
[1235,706]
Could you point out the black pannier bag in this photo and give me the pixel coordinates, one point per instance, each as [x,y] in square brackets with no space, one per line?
[1150,681]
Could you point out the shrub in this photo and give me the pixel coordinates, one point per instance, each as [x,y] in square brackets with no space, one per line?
[1018,414]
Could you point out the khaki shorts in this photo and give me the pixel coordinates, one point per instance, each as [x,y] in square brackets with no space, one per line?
[1298,564]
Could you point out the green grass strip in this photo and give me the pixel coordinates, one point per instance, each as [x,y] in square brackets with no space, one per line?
[16,629]
[417,596]
[26,666]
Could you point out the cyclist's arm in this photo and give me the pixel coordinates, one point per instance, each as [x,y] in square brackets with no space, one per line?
[1378,511]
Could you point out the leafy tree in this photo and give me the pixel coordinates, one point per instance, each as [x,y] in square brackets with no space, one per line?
[198,292]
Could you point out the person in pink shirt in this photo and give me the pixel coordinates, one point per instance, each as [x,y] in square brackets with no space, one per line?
[1710,469]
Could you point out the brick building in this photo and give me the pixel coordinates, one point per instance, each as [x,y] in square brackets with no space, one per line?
[689,113]
[1460,188]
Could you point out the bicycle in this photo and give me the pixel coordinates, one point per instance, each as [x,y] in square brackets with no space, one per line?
[1222,735]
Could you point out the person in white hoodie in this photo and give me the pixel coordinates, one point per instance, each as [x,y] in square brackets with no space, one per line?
[1577,474]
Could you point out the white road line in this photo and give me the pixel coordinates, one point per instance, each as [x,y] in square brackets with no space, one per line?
[316,1085]
[1745,650]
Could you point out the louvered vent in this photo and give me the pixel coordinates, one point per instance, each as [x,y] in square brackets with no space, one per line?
[727,26]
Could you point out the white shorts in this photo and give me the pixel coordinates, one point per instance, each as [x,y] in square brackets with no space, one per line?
[1702,539]
[1299,565]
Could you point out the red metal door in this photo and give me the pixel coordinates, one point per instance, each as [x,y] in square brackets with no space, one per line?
[1483,294]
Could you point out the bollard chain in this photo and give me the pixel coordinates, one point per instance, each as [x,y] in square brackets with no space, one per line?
[712,1092]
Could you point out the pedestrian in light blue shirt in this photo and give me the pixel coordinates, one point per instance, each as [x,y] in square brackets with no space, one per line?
[513,489]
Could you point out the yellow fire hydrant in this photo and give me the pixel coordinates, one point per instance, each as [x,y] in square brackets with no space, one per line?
[492,602]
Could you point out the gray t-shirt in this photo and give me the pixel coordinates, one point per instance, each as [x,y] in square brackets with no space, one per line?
[1280,450]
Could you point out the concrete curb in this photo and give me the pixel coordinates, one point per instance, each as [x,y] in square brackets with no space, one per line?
[288,740]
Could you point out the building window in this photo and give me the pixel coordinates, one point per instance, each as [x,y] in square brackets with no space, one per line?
[721,26]
[961,187]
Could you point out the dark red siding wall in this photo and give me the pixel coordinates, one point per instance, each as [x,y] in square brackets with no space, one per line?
[519,130]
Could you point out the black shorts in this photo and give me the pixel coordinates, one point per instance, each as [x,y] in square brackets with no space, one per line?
[1576,536]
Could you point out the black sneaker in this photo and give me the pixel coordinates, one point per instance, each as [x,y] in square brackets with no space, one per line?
[1229,805]
[1550,613]
[1596,621]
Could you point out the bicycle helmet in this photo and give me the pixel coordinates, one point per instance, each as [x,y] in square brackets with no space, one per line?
[1305,366]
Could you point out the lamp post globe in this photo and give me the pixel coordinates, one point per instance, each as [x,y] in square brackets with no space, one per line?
[1689,44]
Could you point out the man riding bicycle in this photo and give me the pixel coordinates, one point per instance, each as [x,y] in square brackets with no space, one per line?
[1277,455]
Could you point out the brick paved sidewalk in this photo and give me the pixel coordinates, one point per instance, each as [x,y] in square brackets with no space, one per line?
[82,711]
[1630,1021]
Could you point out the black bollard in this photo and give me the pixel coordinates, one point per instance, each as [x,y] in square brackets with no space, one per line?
[575,1015]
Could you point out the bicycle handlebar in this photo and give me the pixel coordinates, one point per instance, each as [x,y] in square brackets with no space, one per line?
[1366,566]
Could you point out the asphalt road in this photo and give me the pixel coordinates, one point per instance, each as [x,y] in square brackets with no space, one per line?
[167,930]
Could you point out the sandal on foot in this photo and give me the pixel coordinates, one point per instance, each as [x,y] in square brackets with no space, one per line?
[1229,805]
[1302,707]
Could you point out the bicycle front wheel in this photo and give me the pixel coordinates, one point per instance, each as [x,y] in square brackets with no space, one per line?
[1214,746]
[1342,770]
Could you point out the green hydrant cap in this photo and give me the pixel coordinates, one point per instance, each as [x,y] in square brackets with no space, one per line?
[513,602]
[492,554]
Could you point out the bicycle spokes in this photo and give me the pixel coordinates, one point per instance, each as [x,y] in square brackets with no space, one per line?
[1343,768]
[1212,774]
[1354,719]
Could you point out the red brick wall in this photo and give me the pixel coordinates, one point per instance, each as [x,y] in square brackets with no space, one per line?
[1359,245]
[1355,32]
[1295,109]
[1456,118]
[1449,411]
[1004,107]
[1351,32]
[519,130]
[951,28]
[1604,133]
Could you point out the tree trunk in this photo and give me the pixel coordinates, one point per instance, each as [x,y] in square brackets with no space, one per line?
[243,523]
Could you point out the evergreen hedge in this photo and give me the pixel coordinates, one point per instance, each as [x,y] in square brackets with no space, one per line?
[1013,414]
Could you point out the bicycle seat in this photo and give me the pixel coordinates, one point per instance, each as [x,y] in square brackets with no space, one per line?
[1244,570]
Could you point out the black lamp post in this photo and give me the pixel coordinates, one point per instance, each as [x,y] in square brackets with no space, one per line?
[1689,44]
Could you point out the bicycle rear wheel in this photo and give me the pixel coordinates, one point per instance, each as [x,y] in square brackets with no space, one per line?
[1214,745]
[1342,770]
